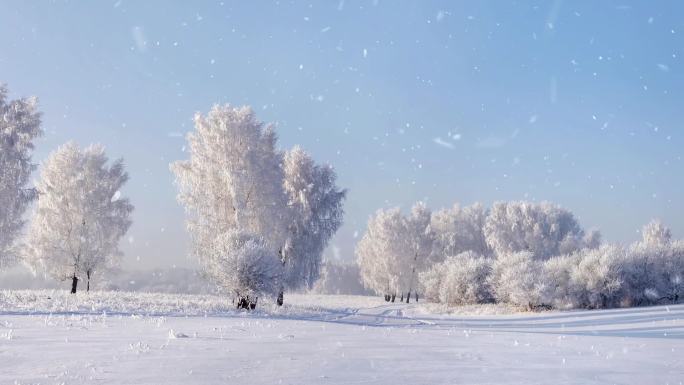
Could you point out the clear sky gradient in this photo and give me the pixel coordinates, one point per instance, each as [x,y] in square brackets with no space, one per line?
[577,102]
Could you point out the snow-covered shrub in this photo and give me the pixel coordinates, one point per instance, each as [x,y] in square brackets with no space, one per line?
[671,272]
[558,275]
[650,270]
[655,272]
[651,274]
[543,229]
[610,276]
[655,267]
[244,265]
[431,281]
[458,280]
[639,274]
[518,279]
[599,277]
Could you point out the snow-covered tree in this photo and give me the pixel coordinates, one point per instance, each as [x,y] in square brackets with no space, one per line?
[395,249]
[517,278]
[543,229]
[420,241]
[236,180]
[19,127]
[80,215]
[381,250]
[656,233]
[245,265]
[460,229]
[233,179]
[315,202]
[592,240]
[459,280]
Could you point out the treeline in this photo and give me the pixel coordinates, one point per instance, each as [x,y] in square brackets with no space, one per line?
[533,255]
[260,217]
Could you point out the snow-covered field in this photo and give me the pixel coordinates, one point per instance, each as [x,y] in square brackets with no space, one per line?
[107,338]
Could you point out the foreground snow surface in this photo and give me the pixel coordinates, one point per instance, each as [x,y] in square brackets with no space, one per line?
[118,338]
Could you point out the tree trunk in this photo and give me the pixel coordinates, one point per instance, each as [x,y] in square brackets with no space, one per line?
[247,303]
[408,297]
[393,297]
[280,299]
[416,293]
[74,283]
[88,282]
[402,297]
[243,303]
[387,297]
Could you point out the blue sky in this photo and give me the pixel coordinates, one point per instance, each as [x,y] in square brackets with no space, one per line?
[576,102]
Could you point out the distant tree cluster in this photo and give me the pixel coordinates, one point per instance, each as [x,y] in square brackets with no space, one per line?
[396,248]
[340,278]
[533,255]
